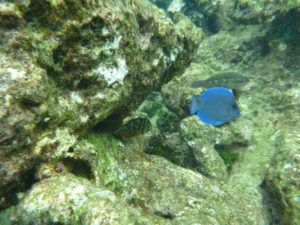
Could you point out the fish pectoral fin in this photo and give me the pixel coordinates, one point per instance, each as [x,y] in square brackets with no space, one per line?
[207,120]
[195,104]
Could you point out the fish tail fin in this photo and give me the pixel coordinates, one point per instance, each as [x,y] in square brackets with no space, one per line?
[195,104]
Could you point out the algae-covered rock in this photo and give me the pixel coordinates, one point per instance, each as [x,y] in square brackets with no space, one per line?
[202,139]
[68,199]
[217,15]
[161,117]
[66,65]
[244,11]
[268,107]
[172,147]
[283,181]
[216,55]
[166,140]
[166,193]
[247,11]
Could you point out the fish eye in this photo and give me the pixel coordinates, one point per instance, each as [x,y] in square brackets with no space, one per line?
[234,107]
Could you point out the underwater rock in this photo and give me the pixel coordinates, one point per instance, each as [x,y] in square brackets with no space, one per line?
[215,15]
[155,191]
[268,105]
[76,58]
[23,94]
[66,65]
[149,184]
[69,199]
[283,181]
[165,140]
[263,11]
[161,117]
[202,140]
[172,147]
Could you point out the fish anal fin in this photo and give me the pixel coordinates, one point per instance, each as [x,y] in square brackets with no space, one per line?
[207,120]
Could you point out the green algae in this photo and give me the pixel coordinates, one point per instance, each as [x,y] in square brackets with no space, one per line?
[69,64]
[73,200]
[109,153]
[161,151]
[158,150]
[153,186]
[281,180]
[229,158]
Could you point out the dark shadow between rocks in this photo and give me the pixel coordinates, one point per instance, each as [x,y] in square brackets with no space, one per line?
[9,196]
[79,167]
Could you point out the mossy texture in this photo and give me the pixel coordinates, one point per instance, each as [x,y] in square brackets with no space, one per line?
[268,106]
[69,199]
[282,180]
[66,65]
[228,157]
[216,15]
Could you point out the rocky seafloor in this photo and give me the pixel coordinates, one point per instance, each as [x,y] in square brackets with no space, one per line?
[94,112]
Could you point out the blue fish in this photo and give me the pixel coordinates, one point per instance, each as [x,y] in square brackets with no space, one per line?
[217,106]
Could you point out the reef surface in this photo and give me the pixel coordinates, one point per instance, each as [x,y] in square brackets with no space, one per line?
[73,72]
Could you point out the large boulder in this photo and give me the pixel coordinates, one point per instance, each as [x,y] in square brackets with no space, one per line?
[66,65]
[282,180]
[73,200]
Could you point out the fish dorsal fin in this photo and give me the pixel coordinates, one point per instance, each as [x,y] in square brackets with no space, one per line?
[216,91]
[195,104]
[205,119]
